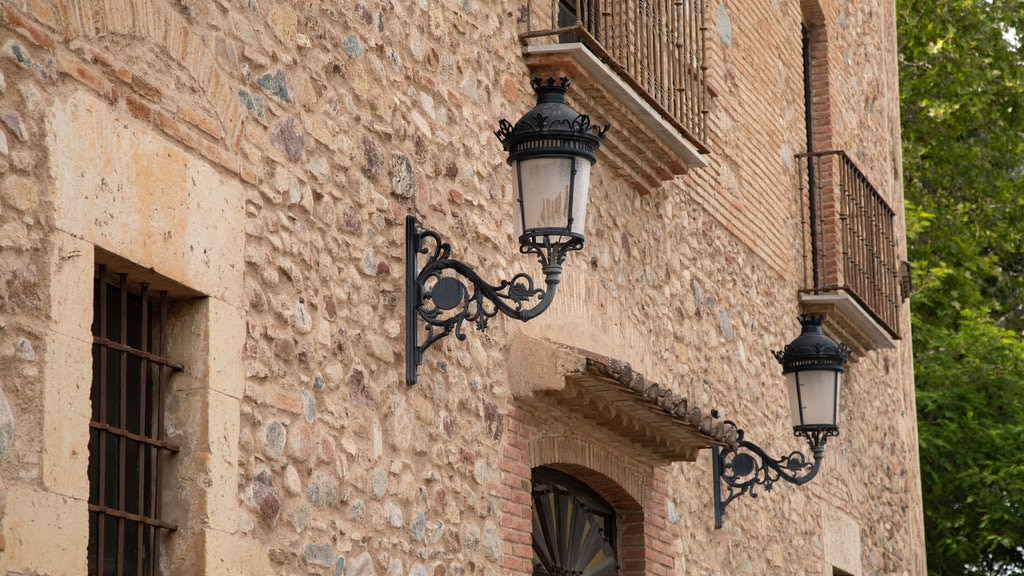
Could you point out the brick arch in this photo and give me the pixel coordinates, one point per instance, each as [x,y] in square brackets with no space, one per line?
[621,485]
[812,13]
[160,25]
[637,491]
[606,487]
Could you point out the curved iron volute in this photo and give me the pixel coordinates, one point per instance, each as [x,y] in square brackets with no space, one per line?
[743,468]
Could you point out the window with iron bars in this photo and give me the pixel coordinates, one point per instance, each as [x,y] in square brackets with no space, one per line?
[126,449]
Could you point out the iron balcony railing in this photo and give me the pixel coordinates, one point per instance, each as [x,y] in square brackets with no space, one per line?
[852,236]
[655,46]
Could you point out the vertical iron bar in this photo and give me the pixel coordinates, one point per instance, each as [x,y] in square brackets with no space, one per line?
[687,44]
[648,20]
[865,268]
[662,37]
[702,94]
[691,71]
[877,240]
[874,276]
[716,478]
[631,44]
[619,11]
[122,423]
[845,223]
[158,394]
[103,351]
[143,449]
[673,60]
[850,218]
[413,298]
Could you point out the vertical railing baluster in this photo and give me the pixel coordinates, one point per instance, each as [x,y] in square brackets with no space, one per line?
[692,70]
[673,58]
[700,67]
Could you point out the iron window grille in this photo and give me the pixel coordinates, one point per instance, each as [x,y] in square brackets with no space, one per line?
[130,379]
[655,46]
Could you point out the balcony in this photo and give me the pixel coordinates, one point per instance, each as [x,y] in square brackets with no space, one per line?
[852,272]
[638,64]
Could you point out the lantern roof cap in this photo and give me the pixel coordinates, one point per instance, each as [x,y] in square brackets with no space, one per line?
[812,349]
[551,119]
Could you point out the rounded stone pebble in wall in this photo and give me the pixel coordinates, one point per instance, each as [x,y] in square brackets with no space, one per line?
[6,426]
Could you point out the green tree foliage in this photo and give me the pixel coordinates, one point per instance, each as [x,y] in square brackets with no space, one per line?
[962,102]
[971,411]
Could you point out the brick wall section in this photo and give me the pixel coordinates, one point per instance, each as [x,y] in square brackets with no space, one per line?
[213,133]
[644,542]
[821,98]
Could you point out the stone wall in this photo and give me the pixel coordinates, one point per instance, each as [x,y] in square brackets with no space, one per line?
[264,155]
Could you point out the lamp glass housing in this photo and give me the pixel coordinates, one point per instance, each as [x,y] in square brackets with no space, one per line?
[551,151]
[552,193]
[813,366]
[814,398]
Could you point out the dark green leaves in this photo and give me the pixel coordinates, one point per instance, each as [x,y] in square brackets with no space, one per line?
[962,105]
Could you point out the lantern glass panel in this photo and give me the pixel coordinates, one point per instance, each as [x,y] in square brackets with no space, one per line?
[545,194]
[814,395]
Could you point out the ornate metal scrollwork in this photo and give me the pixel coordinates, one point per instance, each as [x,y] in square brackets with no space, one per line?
[748,466]
[445,302]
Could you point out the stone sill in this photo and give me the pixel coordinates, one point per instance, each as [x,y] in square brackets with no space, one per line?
[848,322]
[641,146]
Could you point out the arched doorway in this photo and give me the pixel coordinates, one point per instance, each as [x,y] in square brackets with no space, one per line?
[573,527]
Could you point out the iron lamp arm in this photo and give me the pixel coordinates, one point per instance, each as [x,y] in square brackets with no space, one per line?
[444,302]
[743,469]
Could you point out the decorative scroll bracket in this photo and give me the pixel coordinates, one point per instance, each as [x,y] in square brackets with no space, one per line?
[445,302]
[748,466]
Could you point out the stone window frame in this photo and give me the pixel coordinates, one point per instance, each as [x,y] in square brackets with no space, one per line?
[200,330]
[98,189]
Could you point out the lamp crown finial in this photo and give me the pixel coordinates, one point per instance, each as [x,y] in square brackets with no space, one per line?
[811,320]
[550,89]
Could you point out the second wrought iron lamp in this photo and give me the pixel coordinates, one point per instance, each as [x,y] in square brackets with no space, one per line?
[813,366]
[551,150]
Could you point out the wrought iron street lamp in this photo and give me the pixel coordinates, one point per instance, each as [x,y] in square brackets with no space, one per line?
[551,151]
[813,366]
